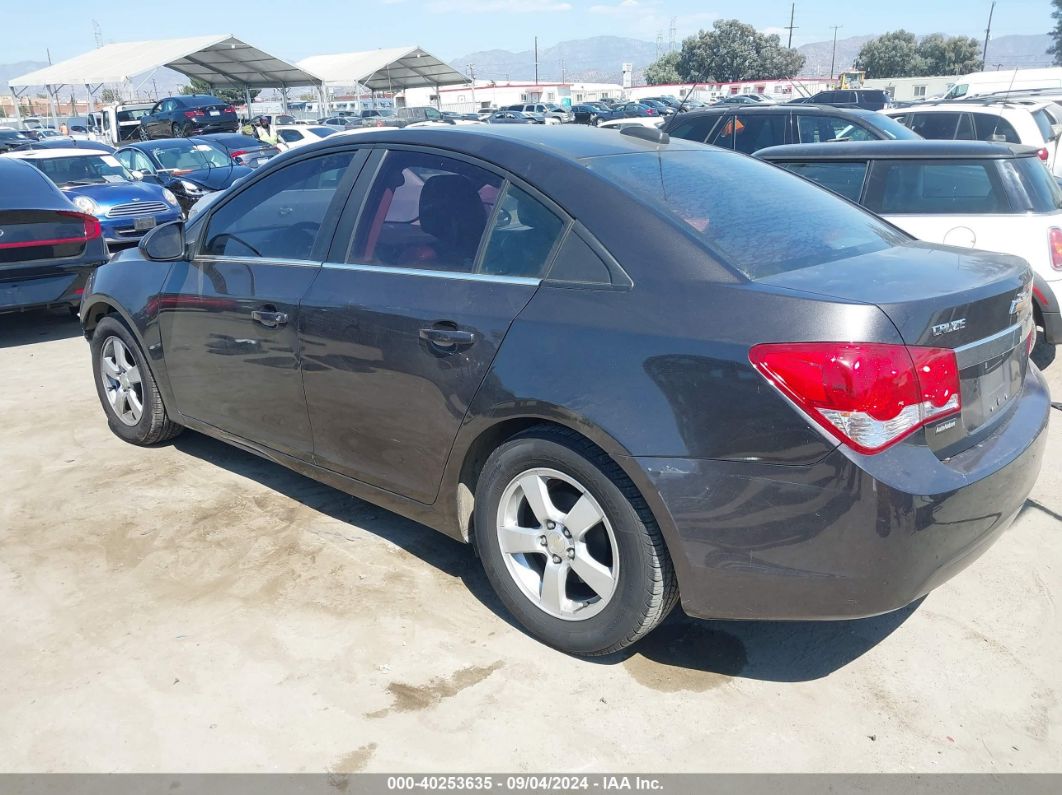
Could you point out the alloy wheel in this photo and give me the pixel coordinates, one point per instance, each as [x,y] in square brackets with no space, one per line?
[558,545]
[121,381]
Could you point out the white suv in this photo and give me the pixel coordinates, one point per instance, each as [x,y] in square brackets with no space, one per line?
[1017,122]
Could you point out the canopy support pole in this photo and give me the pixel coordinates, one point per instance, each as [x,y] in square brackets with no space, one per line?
[247,97]
[18,113]
[284,98]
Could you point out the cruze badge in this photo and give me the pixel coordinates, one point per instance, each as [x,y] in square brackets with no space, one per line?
[945,328]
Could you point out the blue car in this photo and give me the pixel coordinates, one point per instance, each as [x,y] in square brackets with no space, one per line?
[99,185]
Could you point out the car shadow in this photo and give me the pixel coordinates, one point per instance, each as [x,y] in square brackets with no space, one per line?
[37,325]
[679,650]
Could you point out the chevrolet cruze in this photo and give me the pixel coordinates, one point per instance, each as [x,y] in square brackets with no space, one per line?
[630,371]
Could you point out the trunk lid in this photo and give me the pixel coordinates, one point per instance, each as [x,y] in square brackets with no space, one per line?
[976,303]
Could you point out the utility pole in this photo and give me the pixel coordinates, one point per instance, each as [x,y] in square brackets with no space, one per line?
[833,58]
[562,71]
[671,34]
[988,32]
[536,60]
[792,27]
[97,31]
[472,77]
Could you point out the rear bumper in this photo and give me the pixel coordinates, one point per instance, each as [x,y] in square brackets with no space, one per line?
[850,536]
[54,289]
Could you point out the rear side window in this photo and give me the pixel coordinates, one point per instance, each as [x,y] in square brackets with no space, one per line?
[814,129]
[522,236]
[695,129]
[724,134]
[748,214]
[845,179]
[953,187]
[994,128]
[756,131]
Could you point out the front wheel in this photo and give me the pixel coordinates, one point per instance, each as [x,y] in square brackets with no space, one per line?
[569,545]
[126,386]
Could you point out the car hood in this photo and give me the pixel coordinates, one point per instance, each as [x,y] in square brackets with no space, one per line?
[112,193]
[213,178]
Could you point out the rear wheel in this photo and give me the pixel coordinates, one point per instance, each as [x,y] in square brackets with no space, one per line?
[569,545]
[176,130]
[126,386]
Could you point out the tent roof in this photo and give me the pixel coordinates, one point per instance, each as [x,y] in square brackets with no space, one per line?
[222,61]
[393,69]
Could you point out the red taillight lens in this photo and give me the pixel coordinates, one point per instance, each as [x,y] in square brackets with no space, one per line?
[90,230]
[868,395]
[1044,155]
[1054,237]
[191,114]
[228,109]
[237,153]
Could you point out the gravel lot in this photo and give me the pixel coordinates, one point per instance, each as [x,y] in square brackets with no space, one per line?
[194,608]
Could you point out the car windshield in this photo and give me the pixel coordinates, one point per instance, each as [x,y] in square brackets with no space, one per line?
[12,135]
[758,219]
[83,170]
[189,156]
[131,115]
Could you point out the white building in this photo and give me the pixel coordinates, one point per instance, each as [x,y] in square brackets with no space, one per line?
[912,89]
[709,92]
[498,93]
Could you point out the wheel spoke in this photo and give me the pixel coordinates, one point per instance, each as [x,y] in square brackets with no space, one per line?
[119,355]
[592,573]
[121,405]
[133,374]
[534,489]
[516,540]
[554,582]
[133,401]
[583,516]
[109,368]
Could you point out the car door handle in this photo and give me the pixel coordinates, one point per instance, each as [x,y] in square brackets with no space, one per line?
[447,337]
[269,319]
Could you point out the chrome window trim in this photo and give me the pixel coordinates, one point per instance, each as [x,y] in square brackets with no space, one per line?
[460,275]
[983,350]
[295,263]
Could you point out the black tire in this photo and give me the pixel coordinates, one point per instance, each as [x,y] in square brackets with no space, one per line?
[646,589]
[142,133]
[154,425]
[177,131]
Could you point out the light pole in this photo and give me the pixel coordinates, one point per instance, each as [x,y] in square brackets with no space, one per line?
[833,57]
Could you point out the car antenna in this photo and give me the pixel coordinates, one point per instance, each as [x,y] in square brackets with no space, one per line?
[1013,77]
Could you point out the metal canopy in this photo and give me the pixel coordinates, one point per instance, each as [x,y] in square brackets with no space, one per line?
[223,61]
[393,69]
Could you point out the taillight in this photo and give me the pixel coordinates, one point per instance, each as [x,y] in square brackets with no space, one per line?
[228,109]
[90,230]
[1054,237]
[868,395]
[191,114]
[1043,154]
[238,152]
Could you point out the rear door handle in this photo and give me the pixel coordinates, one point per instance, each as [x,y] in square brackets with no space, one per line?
[268,318]
[447,337]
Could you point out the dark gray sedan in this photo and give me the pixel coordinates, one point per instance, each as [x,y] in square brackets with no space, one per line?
[512,117]
[629,370]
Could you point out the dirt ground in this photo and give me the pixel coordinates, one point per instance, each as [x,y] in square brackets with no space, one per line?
[194,608]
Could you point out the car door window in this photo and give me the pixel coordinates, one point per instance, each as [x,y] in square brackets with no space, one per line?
[965,130]
[522,236]
[755,131]
[724,133]
[935,126]
[953,187]
[815,128]
[138,161]
[278,217]
[695,129]
[843,178]
[425,211]
[290,136]
[988,127]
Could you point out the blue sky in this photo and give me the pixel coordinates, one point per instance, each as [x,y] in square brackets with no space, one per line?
[452,28]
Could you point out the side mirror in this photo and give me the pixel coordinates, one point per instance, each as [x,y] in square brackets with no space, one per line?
[164,243]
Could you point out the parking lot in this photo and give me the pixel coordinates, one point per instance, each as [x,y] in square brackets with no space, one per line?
[192,607]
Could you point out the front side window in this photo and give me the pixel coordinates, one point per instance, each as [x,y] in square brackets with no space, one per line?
[845,179]
[425,211]
[814,129]
[755,131]
[952,187]
[279,216]
[746,213]
[289,136]
[693,129]
[134,161]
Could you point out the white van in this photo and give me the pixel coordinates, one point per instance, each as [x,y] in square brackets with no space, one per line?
[1013,79]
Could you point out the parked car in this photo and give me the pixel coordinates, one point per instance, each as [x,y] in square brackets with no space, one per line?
[995,197]
[42,133]
[340,122]
[624,123]
[550,112]
[273,119]
[660,107]
[188,167]
[294,135]
[1000,122]
[638,110]
[99,185]
[630,389]
[754,127]
[453,114]
[593,113]
[245,150]
[47,246]
[421,114]
[190,114]
[741,99]
[865,98]
[993,81]
[12,139]
[64,142]
[513,117]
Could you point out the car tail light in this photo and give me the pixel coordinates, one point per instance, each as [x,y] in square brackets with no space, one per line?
[868,395]
[1044,155]
[91,230]
[237,153]
[192,114]
[228,109]
[1054,237]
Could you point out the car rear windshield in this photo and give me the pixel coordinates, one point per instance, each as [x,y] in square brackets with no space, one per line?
[754,217]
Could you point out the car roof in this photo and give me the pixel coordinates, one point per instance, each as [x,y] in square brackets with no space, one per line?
[26,188]
[44,154]
[958,106]
[905,150]
[781,107]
